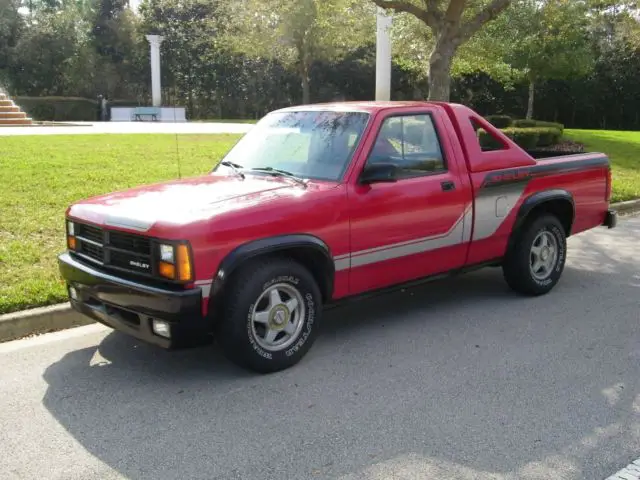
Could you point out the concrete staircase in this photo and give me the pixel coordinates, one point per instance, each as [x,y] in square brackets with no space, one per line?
[10,114]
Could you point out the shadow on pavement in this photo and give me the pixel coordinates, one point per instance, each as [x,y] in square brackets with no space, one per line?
[457,379]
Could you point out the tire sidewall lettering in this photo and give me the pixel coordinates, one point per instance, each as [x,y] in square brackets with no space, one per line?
[306,332]
[561,249]
[281,279]
[263,353]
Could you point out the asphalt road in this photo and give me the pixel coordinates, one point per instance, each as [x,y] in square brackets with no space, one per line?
[458,379]
[88,128]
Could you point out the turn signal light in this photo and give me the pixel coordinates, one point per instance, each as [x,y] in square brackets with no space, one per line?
[184,263]
[71,242]
[167,270]
[175,262]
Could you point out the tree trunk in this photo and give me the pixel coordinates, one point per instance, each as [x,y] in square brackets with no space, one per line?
[304,66]
[306,91]
[532,93]
[440,73]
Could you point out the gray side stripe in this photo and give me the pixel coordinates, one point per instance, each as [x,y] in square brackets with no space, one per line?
[493,206]
[205,287]
[206,290]
[342,263]
[460,230]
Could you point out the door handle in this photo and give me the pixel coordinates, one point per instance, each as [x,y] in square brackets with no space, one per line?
[447,186]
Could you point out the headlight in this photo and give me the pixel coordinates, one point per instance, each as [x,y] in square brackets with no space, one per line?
[166,253]
[175,262]
[70,229]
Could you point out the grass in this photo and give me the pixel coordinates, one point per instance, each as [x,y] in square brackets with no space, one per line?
[225,120]
[42,175]
[623,150]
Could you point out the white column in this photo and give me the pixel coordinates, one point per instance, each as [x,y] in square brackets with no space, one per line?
[156,90]
[383,55]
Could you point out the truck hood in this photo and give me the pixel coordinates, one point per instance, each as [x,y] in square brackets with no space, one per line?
[180,202]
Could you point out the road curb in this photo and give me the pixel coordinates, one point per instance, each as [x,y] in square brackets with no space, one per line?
[59,317]
[40,320]
[627,207]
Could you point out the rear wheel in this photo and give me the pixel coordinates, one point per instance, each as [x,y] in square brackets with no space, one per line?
[535,261]
[271,315]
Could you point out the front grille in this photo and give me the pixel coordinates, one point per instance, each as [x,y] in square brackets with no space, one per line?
[118,250]
[133,262]
[92,251]
[132,243]
[91,233]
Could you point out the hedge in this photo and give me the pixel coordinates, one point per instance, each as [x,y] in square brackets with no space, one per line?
[548,136]
[59,108]
[537,124]
[67,109]
[527,138]
[500,121]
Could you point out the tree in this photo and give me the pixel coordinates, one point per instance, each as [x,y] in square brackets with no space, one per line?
[192,42]
[299,32]
[11,28]
[451,23]
[549,41]
[46,53]
[483,55]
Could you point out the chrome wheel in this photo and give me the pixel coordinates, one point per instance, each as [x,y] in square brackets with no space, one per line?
[277,317]
[544,255]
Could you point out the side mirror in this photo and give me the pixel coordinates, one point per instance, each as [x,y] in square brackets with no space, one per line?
[379,173]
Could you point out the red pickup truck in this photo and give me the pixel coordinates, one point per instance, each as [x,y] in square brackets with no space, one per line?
[321,203]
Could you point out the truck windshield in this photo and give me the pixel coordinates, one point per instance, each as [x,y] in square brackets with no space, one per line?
[308,144]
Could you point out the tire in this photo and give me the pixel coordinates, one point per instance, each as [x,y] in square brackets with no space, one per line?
[252,314]
[519,266]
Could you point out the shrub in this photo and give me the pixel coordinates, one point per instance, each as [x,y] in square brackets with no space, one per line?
[524,123]
[59,108]
[557,126]
[526,138]
[500,121]
[548,136]
[487,142]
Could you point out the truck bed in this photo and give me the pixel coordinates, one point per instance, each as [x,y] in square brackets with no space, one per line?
[549,154]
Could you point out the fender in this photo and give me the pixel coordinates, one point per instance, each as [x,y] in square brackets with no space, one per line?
[275,244]
[540,198]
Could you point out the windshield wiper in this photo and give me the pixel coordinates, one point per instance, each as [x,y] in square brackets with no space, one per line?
[282,173]
[234,166]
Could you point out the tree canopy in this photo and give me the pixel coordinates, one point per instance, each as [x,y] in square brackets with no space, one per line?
[451,24]
[300,32]
[573,60]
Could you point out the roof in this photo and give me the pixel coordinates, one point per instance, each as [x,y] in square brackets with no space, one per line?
[362,106]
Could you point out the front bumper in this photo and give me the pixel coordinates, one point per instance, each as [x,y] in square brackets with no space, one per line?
[610,219]
[130,307]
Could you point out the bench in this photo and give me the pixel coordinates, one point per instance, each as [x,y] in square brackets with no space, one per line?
[140,112]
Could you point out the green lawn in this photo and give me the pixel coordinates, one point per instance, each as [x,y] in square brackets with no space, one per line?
[623,149]
[42,175]
[225,120]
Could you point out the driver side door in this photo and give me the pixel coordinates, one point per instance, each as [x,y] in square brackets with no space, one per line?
[415,226]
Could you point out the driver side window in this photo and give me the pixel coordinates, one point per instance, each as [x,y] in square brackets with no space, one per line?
[410,143]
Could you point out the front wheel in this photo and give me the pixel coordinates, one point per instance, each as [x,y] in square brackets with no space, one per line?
[534,263]
[271,315]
